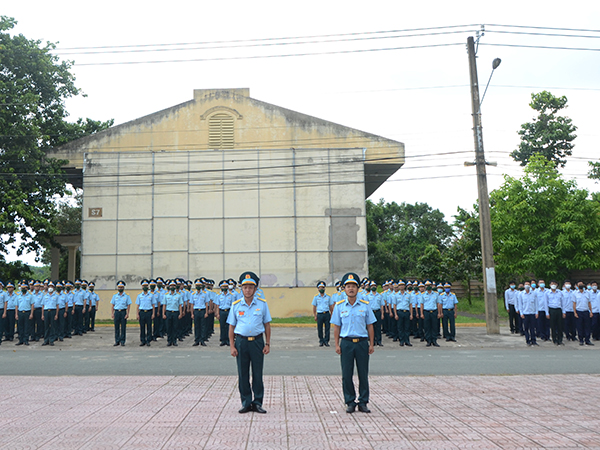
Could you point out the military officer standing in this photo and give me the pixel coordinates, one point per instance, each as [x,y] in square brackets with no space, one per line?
[36,329]
[24,314]
[120,304]
[199,301]
[93,301]
[353,333]
[172,313]
[223,305]
[50,315]
[322,307]
[146,308]
[403,314]
[431,310]
[10,300]
[248,320]
[449,302]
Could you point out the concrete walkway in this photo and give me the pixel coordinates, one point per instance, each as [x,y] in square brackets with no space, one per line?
[304,412]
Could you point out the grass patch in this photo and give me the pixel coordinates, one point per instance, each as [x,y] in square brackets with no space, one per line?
[294,320]
[477,306]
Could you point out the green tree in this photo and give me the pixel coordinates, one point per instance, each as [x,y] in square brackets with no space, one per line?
[34,85]
[398,235]
[543,225]
[548,134]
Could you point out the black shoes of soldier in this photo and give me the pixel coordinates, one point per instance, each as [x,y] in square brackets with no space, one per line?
[351,407]
[245,409]
[259,409]
[363,408]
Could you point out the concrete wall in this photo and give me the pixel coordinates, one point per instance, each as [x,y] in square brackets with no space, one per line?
[283,302]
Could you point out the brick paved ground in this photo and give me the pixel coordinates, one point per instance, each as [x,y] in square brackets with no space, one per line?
[529,411]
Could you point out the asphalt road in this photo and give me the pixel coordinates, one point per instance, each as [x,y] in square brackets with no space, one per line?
[295,352]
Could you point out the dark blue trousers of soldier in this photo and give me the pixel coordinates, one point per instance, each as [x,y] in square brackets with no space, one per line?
[171,324]
[24,327]
[583,323]
[377,327]
[78,320]
[49,326]
[145,326]
[9,324]
[431,324]
[224,326]
[200,332]
[61,324]
[404,327]
[250,354]
[569,326]
[355,352]
[120,326]
[449,324]
[36,330]
[323,327]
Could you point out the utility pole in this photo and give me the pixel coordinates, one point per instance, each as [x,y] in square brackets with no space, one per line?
[485,225]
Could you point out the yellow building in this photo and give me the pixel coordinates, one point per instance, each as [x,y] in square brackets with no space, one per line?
[225,183]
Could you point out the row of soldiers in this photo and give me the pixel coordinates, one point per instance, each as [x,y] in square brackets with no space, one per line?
[47,310]
[536,311]
[402,309]
[175,308]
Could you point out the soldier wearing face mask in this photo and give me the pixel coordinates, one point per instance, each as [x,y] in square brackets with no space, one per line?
[595,301]
[582,310]
[555,309]
[569,314]
[222,306]
[120,304]
[322,308]
[50,315]
[510,299]
[543,321]
[528,309]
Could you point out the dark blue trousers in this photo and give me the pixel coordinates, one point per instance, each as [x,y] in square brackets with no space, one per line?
[529,327]
[120,326]
[583,322]
[250,354]
[323,327]
[355,352]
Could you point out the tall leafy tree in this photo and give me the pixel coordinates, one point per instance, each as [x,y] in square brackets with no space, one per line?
[544,225]
[549,134]
[34,85]
[399,234]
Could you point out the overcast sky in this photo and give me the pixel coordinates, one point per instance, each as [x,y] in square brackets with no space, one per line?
[418,96]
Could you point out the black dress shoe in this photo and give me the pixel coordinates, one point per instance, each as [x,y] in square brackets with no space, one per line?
[169,344]
[26,343]
[588,343]
[122,344]
[203,344]
[321,344]
[245,409]
[222,344]
[435,344]
[327,344]
[408,344]
[175,344]
[51,344]
[195,344]
[351,407]
[142,344]
[259,409]
[428,344]
[45,343]
[401,344]
[19,343]
[363,408]
[148,344]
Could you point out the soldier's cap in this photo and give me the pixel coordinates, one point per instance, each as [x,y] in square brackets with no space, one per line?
[84,282]
[144,282]
[249,278]
[10,284]
[440,285]
[203,280]
[409,283]
[350,277]
[1,283]
[337,283]
[321,284]
[92,284]
[31,281]
[420,283]
[172,283]
[198,281]
[37,283]
[160,280]
[189,282]
[373,283]
[46,281]
[211,282]
[394,282]
[121,283]
[427,282]
[59,284]
[50,283]
[77,281]
[224,283]
[447,284]
[151,282]
[232,281]
[401,281]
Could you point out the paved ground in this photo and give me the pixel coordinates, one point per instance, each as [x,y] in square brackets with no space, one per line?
[129,399]
[303,413]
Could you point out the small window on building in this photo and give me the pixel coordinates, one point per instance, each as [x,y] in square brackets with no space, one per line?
[220,131]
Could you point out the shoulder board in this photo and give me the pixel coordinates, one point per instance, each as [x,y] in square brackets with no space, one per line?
[364,301]
[237,301]
[341,301]
[261,299]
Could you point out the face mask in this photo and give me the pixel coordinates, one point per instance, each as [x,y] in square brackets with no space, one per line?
[231,287]
[533,285]
[542,285]
[24,291]
[553,287]
[581,287]
[440,290]
[512,286]
[322,291]
[51,290]
[91,289]
[373,289]
[121,289]
[172,288]
[223,290]
[527,287]
[429,288]
[145,288]
[567,286]
[448,290]
[589,288]
[594,288]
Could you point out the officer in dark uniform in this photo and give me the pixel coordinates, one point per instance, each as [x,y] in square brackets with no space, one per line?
[146,304]
[322,306]
[353,332]
[248,319]
[120,304]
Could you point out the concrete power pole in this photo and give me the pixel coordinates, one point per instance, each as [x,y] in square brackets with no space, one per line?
[485,225]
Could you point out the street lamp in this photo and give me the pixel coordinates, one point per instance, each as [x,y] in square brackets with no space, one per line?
[495,63]
[485,225]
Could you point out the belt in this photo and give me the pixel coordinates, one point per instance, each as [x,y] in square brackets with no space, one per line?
[376,310]
[145,310]
[324,312]
[430,310]
[448,309]
[224,309]
[355,339]
[249,338]
[119,310]
[404,310]
[39,307]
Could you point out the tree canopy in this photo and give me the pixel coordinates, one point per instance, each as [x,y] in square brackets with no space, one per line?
[549,134]
[34,85]
[543,225]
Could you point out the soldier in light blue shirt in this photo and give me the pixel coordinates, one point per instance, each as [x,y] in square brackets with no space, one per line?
[377,306]
[146,309]
[354,342]
[200,301]
[172,313]
[36,329]
[222,306]
[449,302]
[78,308]
[61,324]
[24,313]
[120,304]
[555,310]
[510,300]
[569,314]
[542,328]
[50,315]
[403,313]
[93,304]
[322,306]
[431,310]
[528,309]
[10,300]
[248,320]
[156,287]
[582,309]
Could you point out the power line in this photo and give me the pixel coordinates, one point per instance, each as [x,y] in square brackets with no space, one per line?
[547,47]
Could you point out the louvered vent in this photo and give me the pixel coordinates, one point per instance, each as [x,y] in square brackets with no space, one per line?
[220,131]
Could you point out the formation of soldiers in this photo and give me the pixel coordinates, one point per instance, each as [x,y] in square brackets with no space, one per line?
[47,311]
[175,308]
[554,312]
[402,309]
